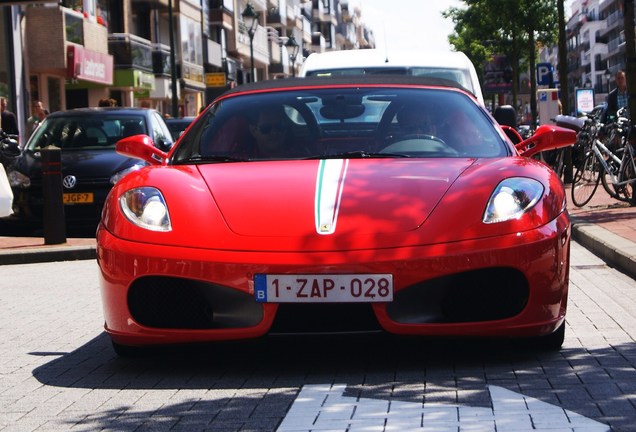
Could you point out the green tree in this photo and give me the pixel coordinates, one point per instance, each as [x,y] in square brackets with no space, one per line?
[484,28]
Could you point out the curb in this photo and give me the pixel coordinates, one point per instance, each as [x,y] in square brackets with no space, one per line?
[611,248]
[37,255]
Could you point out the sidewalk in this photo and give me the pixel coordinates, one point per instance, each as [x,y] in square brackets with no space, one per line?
[604,226]
[607,228]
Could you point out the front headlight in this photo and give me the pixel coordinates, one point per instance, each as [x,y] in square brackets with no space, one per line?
[512,198]
[119,175]
[17,179]
[146,208]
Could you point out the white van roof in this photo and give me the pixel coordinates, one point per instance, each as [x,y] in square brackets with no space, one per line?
[357,61]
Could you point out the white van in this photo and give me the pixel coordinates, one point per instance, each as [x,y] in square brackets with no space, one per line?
[451,65]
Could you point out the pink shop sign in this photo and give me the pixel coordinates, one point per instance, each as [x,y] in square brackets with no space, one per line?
[87,65]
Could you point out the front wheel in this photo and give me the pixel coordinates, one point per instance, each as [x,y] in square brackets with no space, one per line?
[585,181]
[129,351]
[628,174]
[553,341]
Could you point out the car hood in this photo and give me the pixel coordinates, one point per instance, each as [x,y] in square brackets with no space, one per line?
[302,198]
[89,163]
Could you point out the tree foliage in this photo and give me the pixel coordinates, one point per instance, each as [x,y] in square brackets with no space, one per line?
[484,28]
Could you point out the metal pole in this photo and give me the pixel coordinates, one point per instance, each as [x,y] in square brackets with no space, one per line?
[251,34]
[54,221]
[173,62]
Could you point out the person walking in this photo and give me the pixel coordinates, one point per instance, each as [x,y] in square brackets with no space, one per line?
[617,98]
[8,122]
[108,102]
[38,114]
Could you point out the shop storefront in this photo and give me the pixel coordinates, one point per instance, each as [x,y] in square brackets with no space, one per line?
[89,73]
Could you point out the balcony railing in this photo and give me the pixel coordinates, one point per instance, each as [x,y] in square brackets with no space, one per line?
[161,60]
[46,50]
[130,51]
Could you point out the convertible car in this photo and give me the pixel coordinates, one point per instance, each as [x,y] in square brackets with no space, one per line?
[387,204]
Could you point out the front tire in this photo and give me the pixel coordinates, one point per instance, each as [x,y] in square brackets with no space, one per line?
[628,174]
[585,181]
[553,341]
[128,351]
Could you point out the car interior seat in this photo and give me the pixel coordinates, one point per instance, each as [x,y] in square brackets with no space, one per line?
[133,128]
[506,115]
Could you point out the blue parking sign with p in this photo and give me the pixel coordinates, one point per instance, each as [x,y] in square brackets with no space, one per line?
[544,73]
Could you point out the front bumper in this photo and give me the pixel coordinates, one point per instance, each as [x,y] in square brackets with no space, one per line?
[510,286]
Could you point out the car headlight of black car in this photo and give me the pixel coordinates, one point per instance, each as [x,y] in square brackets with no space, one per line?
[146,208]
[18,180]
[512,198]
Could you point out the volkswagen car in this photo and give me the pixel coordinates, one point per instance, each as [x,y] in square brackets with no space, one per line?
[351,204]
[90,166]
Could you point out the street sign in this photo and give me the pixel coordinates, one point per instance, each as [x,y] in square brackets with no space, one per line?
[215,79]
[584,100]
[544,74]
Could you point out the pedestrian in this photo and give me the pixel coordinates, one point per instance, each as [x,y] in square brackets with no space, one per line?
[8,122]
[108,102]
[38,114]
[617,98]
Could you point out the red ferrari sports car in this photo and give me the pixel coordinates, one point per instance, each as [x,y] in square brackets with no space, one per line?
[391,204]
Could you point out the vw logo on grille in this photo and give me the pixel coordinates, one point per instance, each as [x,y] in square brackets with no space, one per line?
[69,182]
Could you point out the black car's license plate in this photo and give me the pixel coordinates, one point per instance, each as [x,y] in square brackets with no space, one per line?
[78,198]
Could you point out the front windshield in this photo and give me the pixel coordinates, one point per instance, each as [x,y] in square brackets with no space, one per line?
[342,122]
[81,132]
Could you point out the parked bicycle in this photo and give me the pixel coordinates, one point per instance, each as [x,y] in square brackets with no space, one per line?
[588,128]
[610,160]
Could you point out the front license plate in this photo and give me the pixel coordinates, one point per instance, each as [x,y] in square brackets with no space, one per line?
[78,198]
[328,288]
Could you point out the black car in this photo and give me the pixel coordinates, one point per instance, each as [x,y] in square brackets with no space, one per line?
[90,165]
[178,125]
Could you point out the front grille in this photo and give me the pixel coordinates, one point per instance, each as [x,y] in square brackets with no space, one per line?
[324,318]
[480,295]
[167,302]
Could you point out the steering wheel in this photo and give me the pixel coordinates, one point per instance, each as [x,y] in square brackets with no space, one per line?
[418,143]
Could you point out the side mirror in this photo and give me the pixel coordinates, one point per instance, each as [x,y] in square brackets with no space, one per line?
[546,137]
[141,147]
[164,144]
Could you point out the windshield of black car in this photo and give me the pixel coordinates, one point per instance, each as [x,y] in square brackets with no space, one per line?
[345,122]
[84,132]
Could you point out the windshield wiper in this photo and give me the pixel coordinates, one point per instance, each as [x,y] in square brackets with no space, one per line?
[211,158]
[359,154]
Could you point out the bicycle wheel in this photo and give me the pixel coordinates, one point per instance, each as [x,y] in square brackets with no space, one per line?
[610,188]
[585,181]
[628,172]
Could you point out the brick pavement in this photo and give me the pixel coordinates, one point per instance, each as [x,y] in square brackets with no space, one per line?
[59,373]
[607,227]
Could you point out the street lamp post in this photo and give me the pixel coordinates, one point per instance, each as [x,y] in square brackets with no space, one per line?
[173,62]
[292,49]
[608,77]
[250,18]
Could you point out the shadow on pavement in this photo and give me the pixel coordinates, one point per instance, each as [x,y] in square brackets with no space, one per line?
[373,366]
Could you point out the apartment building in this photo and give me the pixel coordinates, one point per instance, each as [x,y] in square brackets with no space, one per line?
[595,46]
[172,55]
